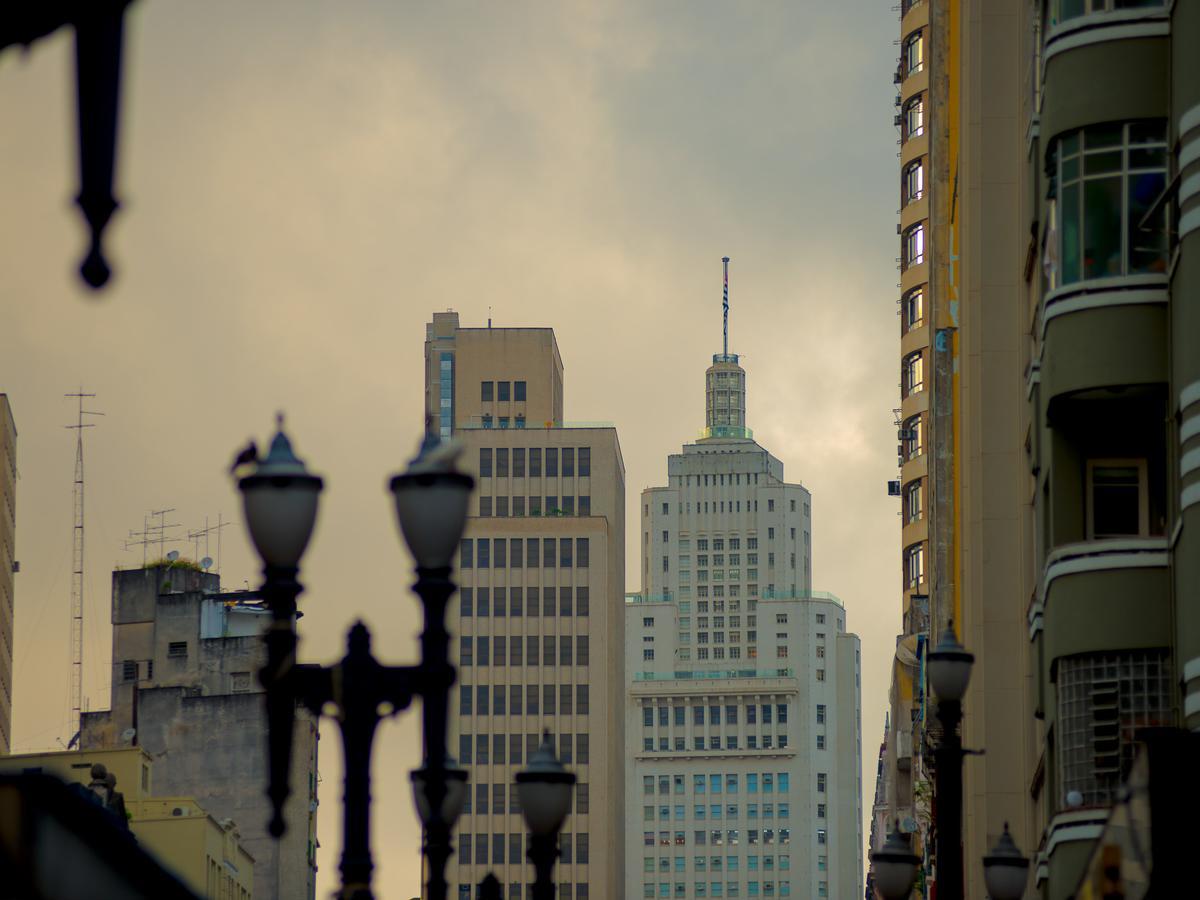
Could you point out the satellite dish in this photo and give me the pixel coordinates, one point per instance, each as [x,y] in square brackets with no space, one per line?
[128,734]
[205,563]
[173,555]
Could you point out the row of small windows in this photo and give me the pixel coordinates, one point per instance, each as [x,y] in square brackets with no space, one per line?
[519,891]
[718,863]
[666,507]
[500,553]
[507,651]
[728,782]
[516,847]
[750,712]
[528,700]
[532,602]
[503,507]
[502,391]
[714,743]
[505,749]
[501,462]
[717,812]
[722,837]
[713,889]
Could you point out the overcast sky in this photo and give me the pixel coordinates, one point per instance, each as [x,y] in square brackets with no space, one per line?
[303,184]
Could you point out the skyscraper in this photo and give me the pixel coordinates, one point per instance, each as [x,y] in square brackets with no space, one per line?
[538,622]
[8,549]
[742,719]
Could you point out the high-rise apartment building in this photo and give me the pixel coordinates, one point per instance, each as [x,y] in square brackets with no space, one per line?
[1049,185]
[964,534]
[539,621]
[8,564]
[742,716]
[185,689]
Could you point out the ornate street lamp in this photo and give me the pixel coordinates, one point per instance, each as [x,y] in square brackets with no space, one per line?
[544,789]
[949,666]
[1005,870]
[99,26]
[280,503]
[894,866]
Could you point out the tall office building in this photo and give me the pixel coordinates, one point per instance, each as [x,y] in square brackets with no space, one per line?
[743,718]
[1049,185]
[8,563]
[538,624]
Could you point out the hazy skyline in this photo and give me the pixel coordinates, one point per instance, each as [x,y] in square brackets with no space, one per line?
[303,185]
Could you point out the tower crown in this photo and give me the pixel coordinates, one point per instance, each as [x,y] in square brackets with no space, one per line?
[725,384]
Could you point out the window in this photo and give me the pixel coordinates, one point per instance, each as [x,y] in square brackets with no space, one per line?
[485,511]
[911,441]
[912,501]
[1108,176]
[519,391]
[485,462]
[912,246]
[535,463]
[177,649]
[503,393]
[914,565]
[585,462]
[487,391]
[913,308]
[1117,498]
[914,53]
[1103,701]
[913,186]
[914,117]
[551,462]
[129,670]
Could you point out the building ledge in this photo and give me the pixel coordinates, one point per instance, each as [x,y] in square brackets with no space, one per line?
[1101,27]
[1123,290]
[1097,556]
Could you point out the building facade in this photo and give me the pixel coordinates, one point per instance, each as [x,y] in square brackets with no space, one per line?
[538,622]
[1113,403]
[8,564]
[743,733]
[206,854]
[1049,186]
[185,690]
[964,529]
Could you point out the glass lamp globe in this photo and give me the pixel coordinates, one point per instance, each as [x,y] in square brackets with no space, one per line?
[1005,870]
[950,667]
[452,802]
[279,501]
[894,866]
[544,790]
[431,503]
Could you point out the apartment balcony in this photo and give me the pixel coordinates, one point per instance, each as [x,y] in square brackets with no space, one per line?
[1103,335]
[1104,595]
[1104,66]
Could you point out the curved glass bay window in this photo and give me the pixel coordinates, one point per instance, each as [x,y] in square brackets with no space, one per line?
[914,181]
[914,53]
[912,308]
[914,117]
[914,565]
[912,373]
[912,249]
[911,439]
[1108,177]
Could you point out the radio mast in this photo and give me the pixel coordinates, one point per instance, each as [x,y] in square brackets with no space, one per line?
[77,569]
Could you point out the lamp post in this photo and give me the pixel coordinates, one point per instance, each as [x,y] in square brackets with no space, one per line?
[894,866]
[544,789]
[1005,870]
[949,673]
[99,29]
[280,501]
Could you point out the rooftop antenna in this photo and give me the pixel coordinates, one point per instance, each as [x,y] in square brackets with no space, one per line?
[77,562]
[725,304]
[161,529]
